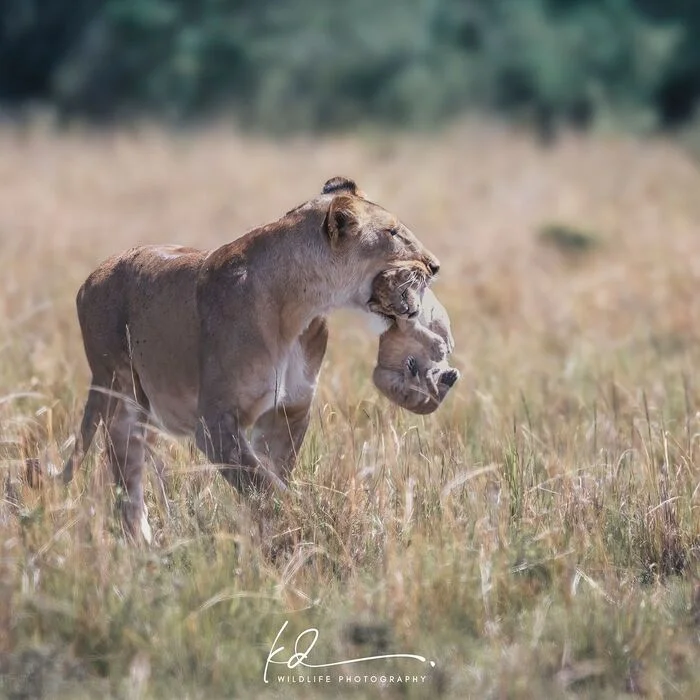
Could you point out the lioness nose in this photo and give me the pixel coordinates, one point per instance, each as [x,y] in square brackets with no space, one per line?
[434,266]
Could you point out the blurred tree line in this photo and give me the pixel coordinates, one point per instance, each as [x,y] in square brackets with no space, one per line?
[319,64]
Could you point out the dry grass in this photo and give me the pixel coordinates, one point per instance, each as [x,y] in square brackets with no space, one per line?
[537,536]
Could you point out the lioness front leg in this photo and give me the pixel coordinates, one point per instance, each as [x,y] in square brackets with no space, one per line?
[279,432]
[222,440]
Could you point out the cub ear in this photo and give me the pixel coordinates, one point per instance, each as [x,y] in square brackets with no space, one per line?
[342,184]
[341,220]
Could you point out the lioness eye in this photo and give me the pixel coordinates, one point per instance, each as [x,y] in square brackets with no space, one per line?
[393,231]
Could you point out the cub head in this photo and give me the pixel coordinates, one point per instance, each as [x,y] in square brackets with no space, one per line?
[398,291]
[367,237]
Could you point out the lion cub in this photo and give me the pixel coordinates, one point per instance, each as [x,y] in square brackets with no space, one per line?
[411,367]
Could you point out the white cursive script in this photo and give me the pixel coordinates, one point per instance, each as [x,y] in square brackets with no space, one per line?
[299,658]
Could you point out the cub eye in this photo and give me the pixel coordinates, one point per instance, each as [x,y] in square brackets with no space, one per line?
[393,231]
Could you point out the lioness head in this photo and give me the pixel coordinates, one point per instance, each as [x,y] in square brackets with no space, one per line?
[368,235]
[398,291]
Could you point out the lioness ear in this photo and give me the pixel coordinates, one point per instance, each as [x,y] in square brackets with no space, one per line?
[342,219]
[342,184]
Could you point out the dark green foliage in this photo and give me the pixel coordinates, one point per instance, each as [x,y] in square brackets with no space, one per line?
[314,64]
[36,36]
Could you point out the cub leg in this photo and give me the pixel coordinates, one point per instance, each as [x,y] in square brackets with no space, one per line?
[403,391]
[432,342]
[446,379]
[440,379]
[432,375]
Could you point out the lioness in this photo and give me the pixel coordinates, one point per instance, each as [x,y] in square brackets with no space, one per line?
[212,343]
[411,367]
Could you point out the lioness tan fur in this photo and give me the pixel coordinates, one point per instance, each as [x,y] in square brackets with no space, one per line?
[412,370]
[213,343]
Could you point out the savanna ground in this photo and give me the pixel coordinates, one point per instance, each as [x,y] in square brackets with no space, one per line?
[538,536]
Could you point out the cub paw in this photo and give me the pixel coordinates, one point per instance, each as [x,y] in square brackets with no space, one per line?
[438,350]
[412,366]
[449,377]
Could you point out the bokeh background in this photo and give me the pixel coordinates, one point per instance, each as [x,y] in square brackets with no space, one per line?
[311,65]
[538,536]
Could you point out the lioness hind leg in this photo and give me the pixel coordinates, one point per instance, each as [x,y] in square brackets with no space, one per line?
[126,449]
[279,433]
[94,412]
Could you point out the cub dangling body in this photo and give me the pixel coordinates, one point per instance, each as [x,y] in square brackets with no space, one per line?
[412,370]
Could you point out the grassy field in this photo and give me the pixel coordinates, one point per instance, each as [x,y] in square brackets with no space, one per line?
[536,537]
